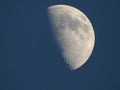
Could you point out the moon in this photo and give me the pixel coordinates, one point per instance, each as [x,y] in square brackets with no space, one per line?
[73,33]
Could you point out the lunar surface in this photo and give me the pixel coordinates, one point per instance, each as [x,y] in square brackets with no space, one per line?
[73,33]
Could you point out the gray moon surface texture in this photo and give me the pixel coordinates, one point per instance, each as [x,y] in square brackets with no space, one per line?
[73,33]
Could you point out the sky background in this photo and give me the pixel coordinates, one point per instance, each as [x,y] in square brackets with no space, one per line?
[30,59]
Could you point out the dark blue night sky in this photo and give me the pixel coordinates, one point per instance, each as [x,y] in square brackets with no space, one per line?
[30,59]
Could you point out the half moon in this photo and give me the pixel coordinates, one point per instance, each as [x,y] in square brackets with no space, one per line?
[73,33]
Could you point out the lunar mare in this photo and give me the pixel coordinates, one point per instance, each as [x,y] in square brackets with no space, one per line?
[73,33]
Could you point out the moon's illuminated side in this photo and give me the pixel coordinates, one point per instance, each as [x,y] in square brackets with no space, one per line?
[73,32]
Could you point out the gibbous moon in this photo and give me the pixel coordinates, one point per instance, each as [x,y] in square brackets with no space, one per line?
[73,33]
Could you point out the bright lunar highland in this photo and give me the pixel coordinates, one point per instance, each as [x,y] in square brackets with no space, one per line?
[73,33]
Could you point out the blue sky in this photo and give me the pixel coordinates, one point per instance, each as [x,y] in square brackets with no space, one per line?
[30,59]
